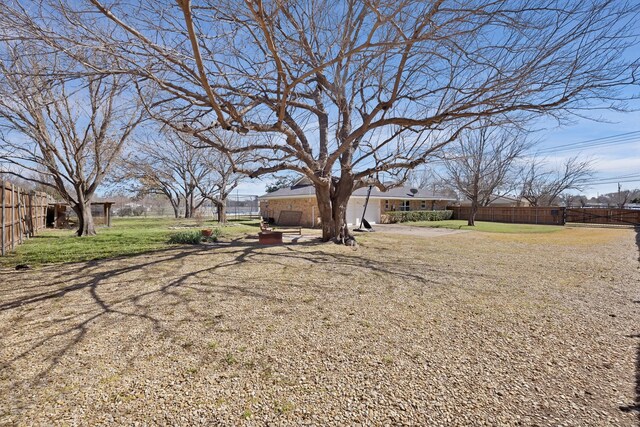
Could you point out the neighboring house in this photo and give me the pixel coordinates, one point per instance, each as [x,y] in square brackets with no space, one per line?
[508,201]
[302,197]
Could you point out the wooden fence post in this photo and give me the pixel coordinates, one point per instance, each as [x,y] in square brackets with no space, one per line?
[4,219]
[13,219]
[31,222]
[20,218]
[30,217]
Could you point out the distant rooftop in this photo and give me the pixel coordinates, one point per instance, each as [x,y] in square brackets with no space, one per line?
[407,193]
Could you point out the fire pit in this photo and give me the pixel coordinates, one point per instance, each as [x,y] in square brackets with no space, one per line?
[270,237]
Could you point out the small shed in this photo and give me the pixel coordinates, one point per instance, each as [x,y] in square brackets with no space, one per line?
[61,215]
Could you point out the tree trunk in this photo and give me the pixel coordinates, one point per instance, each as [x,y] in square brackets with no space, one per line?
[339,200]
[472,215]
[332,207]
[323,197]
[175,204]
[221,209]
[86,226]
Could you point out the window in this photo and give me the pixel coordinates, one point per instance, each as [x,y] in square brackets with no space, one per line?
[404,205]
[423,204]
[386,205]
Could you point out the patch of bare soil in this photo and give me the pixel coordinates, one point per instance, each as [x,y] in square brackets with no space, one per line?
[466,329]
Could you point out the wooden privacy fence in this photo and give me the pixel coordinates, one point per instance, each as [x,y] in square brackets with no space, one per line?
[23,214]
[522,215]
[551,215]
[603,216]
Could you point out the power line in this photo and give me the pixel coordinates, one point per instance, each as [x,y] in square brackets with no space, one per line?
[616,136]
[591,183]
[629,175]
[587,147]
[610,141]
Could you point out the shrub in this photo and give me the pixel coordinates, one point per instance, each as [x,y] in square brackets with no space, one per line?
[215,235]
[186,237]
[126,211]
[410,216]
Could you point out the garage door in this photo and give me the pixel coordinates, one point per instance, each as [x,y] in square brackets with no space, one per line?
[355,208]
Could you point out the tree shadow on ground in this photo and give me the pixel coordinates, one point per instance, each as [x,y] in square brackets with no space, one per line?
[243,221]
[636,406]
[93,281]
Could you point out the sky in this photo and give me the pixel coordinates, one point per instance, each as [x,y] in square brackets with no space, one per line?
[613,160]
[616,158]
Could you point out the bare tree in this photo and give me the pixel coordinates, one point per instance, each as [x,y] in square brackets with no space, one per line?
[351,93]
[619,198]
[32,184]
[170,164]
[622,197]
[165,164]
[542,185]
[634,196]
[223,176]
[482,164]
[220,183]
[63,133]
[433,181]
[148,177]
[570,200]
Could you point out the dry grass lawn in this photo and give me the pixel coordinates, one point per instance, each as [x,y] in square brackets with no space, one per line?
[465,329]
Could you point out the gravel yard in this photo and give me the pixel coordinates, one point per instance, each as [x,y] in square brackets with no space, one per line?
[407,230]
[463,329]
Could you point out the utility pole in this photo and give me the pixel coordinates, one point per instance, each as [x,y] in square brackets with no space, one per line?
[620,203]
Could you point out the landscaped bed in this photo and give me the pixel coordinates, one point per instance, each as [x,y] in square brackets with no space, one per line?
[463,329]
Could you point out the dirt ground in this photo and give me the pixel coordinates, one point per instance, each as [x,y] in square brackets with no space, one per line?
[463,329]
[407,230]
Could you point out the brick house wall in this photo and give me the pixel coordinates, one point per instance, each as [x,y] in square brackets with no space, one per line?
[308,206]
[310,217]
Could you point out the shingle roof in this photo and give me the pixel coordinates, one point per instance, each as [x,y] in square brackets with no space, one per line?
[394,193]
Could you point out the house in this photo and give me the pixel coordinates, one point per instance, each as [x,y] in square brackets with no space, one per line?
[302,197]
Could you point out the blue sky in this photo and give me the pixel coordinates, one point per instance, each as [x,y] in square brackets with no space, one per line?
[608,162]
[611,161]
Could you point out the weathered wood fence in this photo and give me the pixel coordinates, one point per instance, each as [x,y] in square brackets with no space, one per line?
[606,216]
[551,215]
[521,215]
[23,214]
